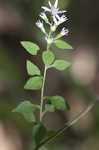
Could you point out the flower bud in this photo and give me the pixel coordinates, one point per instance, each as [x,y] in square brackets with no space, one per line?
[64,31]
[53,28]
[44,17]
[40,25]
[49,40]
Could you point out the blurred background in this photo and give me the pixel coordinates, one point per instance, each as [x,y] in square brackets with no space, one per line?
[79,84]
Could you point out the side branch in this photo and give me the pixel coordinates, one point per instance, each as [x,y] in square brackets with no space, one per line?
[68,124]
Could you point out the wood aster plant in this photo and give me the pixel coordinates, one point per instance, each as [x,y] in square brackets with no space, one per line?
[36,80]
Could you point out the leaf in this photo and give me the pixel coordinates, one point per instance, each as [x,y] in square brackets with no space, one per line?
[62,44]
[61,64]
[59,102]
[39,132]
[32,69]
[30,47]
[26,109]
[49,108]
[34,83]
[48,57]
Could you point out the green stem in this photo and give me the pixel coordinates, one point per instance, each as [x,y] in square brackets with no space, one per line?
[68,124]
[42,94]
[42,89]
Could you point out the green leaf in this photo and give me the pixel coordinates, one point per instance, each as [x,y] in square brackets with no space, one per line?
[39,132]
[62,44]
[48,57]
[26,109]
[34,83]
[59,102]
[49,108]
[61,64]
[31,47]
[32,69]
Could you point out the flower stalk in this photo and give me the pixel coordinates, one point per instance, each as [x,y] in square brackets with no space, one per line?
[44,78]
[42,95]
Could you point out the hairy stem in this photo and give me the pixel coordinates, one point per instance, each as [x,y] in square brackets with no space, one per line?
[68,124]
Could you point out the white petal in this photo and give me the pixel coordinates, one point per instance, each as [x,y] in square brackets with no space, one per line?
[46,9]
[50,4]
[58,17]
[55,20]
[56,4]
[60,12]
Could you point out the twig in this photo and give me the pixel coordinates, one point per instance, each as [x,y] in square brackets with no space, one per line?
[68,124]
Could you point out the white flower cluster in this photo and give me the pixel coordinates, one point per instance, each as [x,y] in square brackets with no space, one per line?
[57,20]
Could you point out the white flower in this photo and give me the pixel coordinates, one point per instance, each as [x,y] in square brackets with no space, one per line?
[64,31]
[43,15]
[53,9]
[39,24]
[49,40]
[59,19]
[62,19]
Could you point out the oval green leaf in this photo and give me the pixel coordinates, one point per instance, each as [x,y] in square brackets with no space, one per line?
[32,69]
[48,57]
[39,132]
[34,83]
[62,44]
[59,102]
[61,64]
[49,108]
[26,109]
[30,47]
